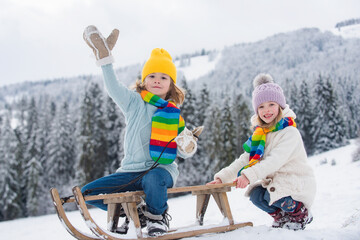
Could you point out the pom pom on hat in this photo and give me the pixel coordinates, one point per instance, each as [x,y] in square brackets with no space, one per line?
[265,90]
[159,61]
[262,78]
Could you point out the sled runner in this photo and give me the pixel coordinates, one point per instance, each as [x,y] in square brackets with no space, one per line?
[128,201]
[57,201]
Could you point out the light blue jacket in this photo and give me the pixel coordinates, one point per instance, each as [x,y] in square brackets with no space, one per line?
[138,116]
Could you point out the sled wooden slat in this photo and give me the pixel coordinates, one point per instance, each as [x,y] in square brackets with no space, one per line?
[170,191]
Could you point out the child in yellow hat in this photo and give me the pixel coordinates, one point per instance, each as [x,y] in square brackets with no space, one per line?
[153,122]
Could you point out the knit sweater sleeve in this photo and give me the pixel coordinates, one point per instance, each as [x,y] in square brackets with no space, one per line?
[122,96]
[229,173]
[286,147]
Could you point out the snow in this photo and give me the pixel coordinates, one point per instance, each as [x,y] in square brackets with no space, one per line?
[199,66]
[352,31]
[336,210]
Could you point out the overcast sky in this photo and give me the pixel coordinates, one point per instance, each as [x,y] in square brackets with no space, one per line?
[42,39]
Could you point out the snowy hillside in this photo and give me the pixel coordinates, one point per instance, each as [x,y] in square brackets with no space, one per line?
[198,66]
[336,209]
[352,31]
[297,55]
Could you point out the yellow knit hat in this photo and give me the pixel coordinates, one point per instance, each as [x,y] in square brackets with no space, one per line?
[159,61]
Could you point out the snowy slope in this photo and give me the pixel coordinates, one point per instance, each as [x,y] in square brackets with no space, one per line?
[198,67]
[352,31]
[336,209]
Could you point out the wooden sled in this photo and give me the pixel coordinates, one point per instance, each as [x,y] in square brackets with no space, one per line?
[129,200]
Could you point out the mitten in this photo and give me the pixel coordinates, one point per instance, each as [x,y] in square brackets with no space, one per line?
[101,47]
[186,141]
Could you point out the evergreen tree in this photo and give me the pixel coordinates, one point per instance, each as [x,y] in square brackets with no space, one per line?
[337,126]
[10,187]
[33,171]
[329,131]
[93,149]
[193,170]
[228,143]
[304,117]
[293,99]
[60,166]
[201,106]
[320,108]
[20,133]
[350,106]
[114,127]
[241,118]
[213,138]
[188,107]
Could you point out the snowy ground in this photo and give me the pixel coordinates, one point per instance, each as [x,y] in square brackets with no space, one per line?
[336,210]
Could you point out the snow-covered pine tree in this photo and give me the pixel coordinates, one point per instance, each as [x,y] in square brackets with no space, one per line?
[228,142]
[195,166]
[241,118]
[10,185]
[329,131]
[349,99]
[319,113]
[20,133]
[45,118]
[33,169]
[304,117]
[92,149]
[60,166]
[188,107]
[201,105]
[211,138]
[338,131]
[201,159]
[114,124]
[187,112]
[293,99]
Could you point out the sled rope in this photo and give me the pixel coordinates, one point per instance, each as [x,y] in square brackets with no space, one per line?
[118,188]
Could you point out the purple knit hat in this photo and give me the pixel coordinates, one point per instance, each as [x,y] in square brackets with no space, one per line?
[265,90]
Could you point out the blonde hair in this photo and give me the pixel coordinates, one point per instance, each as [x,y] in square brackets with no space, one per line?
[263,124]
[175,93]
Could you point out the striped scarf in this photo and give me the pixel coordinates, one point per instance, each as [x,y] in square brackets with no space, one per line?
[166,124]
[255,145]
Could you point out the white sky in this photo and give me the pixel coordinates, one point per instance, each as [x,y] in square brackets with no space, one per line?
[42,39]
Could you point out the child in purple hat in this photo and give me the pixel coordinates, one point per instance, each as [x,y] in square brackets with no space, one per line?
[274,164]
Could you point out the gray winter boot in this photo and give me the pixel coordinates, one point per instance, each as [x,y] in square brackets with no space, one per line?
[157,225]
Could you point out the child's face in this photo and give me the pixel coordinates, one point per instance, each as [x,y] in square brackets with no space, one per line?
[268,111]
[158,84]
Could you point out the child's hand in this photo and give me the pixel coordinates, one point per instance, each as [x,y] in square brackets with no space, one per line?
[216,181]
[101,46]
[186,141]
[242,181]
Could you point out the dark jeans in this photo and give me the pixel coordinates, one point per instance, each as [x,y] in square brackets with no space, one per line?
[260,197]
[154,184]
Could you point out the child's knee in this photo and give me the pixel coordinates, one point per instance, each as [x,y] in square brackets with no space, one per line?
[257,194]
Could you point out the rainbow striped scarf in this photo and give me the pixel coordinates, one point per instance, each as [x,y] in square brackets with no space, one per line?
[166,124]
[255,145]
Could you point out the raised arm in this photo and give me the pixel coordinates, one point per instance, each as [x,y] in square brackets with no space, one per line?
[102,47]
